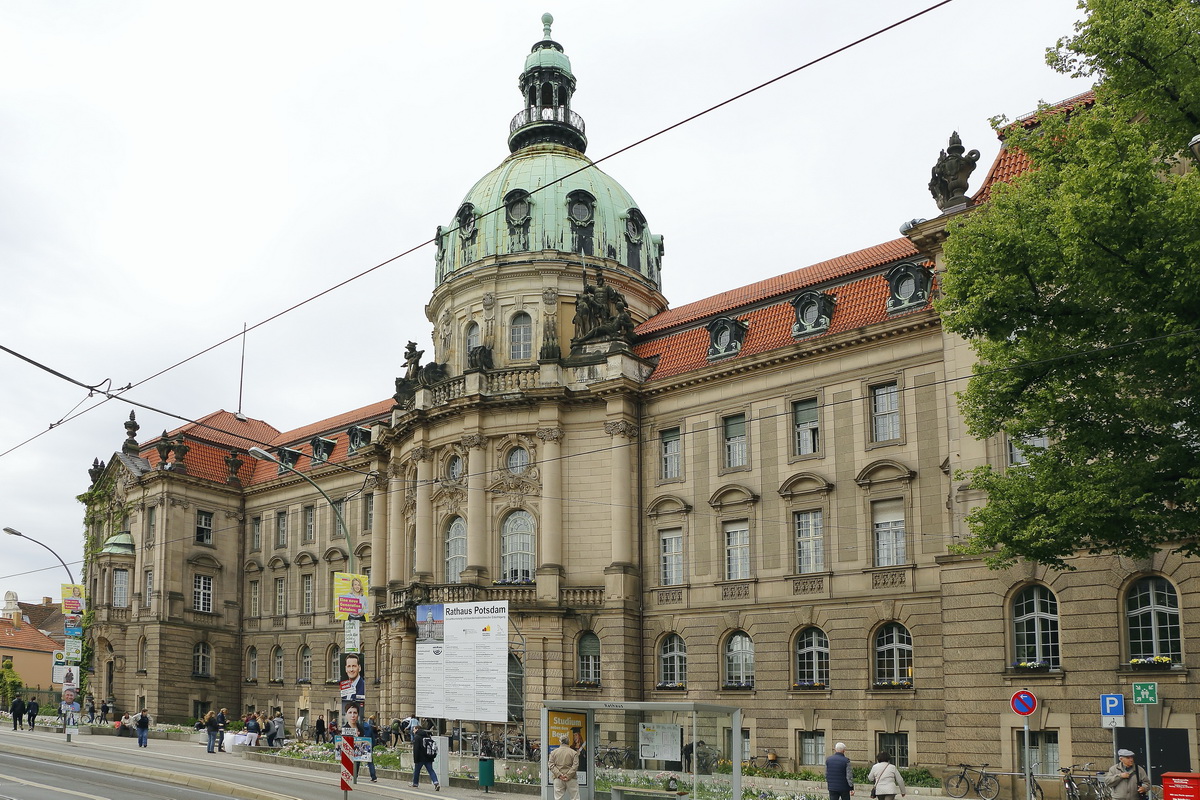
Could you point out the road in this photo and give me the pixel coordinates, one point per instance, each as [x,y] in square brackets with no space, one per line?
[28,778]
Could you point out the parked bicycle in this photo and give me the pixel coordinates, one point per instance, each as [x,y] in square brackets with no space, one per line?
[614,756]
[768,762]
[986,785]
[1087,787]
[706,758]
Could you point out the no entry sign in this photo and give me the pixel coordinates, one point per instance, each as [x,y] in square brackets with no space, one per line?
[1023,702]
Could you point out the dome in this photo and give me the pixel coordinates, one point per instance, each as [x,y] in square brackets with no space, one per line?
[539,208]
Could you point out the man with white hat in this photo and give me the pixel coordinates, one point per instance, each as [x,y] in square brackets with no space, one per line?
[1127,780]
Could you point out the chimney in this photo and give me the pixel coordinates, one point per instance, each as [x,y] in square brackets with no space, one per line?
[48,601]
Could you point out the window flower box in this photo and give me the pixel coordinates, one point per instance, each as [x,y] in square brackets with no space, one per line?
[809,686]
[587,684]
[1031,666]
[1153,663]
[738,685]
[514,582]
[892,685]
[671,687]
[302,681]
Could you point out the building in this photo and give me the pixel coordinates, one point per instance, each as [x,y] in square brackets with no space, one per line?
[747,500]
[29,650]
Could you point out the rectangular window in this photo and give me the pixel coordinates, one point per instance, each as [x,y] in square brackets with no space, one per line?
[149,587]
[151,522]
[1043,751]
[810,541]
[306,594]
[310,524]
[280,597]
[896,745]
[812,748]
[887,520]
[885,412]
[256,533]
[735,440]
[806,428]
[339,515]
[202,593]
[204,527]
[255,599]
[368,512]
[737,551]
[1016,448]
[669,443]
[672,556]
[120,588]
[281,529]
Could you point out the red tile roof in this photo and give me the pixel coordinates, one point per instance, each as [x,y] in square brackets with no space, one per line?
[26,637]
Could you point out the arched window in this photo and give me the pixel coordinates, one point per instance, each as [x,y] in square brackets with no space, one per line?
[202,659]
[893,656]
[520,337]
[517,551]
[456,549]
[1035,627]
[739,661]
[143,653]
[1152,613]
[252,664]
[812,658]
[304,663]
[589,659]
[672,663]
[277,663]
[471,338]
[335,663]
[517,460]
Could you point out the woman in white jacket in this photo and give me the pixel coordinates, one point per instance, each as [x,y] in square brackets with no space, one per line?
[887,779]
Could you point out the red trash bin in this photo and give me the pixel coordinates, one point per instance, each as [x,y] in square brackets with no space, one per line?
[1180,785]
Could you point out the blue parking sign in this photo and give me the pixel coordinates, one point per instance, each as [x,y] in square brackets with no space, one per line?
[1112,705]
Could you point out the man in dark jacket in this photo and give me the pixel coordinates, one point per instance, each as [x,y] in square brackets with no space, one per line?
[422,757]
[31,709]
[222,721]
[17,709]
[838,776]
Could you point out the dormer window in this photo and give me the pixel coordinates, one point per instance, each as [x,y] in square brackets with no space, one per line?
[725,337]
[322,448]
[909,286]
[288,458]
[357,438]
[635,226]
[814,311]
[516,207]
[580,207]
[466,220]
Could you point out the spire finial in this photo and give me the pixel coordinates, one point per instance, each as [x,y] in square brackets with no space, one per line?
[547,21]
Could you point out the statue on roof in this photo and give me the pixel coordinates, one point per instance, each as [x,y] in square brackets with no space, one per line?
[601,314]
[948,184]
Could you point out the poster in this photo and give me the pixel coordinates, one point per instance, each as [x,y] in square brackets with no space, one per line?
[73,625]
[73,601]
[462,661]
[659,742]
[72,648]
[571,725]
[350,599]
[353,685]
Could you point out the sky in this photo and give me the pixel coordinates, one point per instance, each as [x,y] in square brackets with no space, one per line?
[173,171]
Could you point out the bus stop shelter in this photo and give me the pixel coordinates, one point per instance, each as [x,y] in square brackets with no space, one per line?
[647,731]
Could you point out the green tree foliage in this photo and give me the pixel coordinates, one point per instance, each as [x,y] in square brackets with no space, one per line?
[10,682]
[1079,289]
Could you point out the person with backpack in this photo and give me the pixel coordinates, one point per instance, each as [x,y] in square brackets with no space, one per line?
[424,753]
[31,709]
[141,724]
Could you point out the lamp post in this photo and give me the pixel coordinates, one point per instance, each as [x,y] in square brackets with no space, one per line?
[1194,146]
[63,706]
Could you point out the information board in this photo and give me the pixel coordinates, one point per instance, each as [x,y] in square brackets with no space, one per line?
[462,661]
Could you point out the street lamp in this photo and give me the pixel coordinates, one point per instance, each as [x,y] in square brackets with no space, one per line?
[1194,146]
[15,532]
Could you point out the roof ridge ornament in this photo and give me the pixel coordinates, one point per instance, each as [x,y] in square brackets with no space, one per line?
[547,21]
[948,184]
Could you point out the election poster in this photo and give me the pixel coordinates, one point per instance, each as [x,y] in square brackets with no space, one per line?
[462,661]
[350,599]
[73,601]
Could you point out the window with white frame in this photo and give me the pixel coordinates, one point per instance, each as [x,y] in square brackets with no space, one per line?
[1043,751]
[471,338]
[517,460]
[143,654]
[806,427]
[739,661]
[893,656]
[252,664]
[812,748]
[1018,445]
[671,556]
[520,337]
[310,523]
[120,588]
[148,587]
[810,540]
[1152,614]
[256,533]
[151,522]
[335,663]
[885,412]
[896,746]
[669,453]
[887,526]
[734,431]
[304,663]
[737,550]
[202,659]
[456,549]
[255,599]
[280,597]
[204,527]
[589,659]
[277,663]
[281,529]
[368,511]
[812,658]
[672,662]
[517,551]
[306,594]
[202,593]
[1035,626]
[339,517]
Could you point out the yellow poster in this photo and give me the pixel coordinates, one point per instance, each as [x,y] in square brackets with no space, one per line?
[73,601]
[350,599]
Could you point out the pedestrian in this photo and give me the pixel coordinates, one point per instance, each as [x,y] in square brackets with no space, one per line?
[31,709]
[141,724]
[253,729]
[319,728]
[91,710]
[103,712]
[275,736]
[125,726]
[564,766]
[413,724]
[886,777]
[211,727]
[222,722]
[1128,781]
[424,752]
[838,776]
[360,729]
[17,709]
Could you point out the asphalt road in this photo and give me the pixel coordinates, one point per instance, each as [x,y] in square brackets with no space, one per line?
[30,778]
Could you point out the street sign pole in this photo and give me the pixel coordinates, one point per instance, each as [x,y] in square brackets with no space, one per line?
[1028,765]
[1025,703]
[1146,695]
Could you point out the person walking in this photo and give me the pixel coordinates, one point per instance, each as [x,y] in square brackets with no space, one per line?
[319,728]
[141,724]
[360,729]
[222,722]
[886,777]
[424,753]
[103,712]
[17,709]
[564,766]
[838,776]
[211,727]
[253,729]
[1128,781]
[91,710]
[31,710]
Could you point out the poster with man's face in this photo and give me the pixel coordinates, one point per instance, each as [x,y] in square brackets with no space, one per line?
[354,677]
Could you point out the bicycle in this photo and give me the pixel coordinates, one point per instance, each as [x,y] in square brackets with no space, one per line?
[613,756]
[1088,787]
[706,759]
[767,763]
[1034,786]
[986,785]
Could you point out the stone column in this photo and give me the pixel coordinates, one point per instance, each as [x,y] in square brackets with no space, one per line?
[622,476]
[378,532]
[423,568]
[551,533]
[395,524]
[477,527]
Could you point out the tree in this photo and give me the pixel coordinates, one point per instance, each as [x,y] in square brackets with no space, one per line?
[11,684]
[1078,286]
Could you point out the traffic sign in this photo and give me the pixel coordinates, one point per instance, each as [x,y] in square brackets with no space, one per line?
[1145,694]
[1112,722]
[1112,705]
[1023,702]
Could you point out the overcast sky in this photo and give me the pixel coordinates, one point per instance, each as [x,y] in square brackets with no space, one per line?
[172,170]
